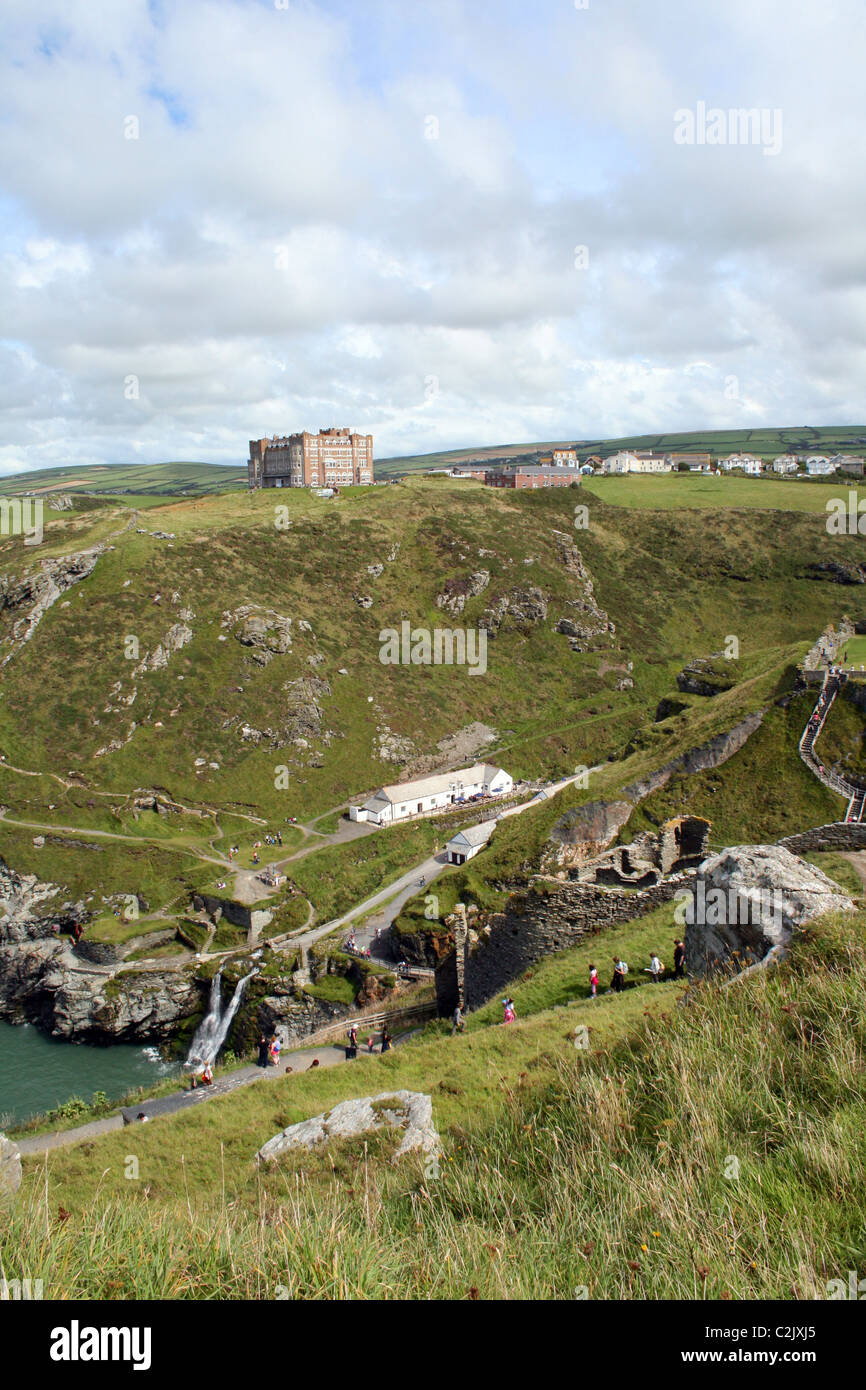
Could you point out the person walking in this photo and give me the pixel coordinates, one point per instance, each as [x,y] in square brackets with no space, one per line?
[352,1049]
[593,982]
[655,968]
[617,984]
[459,1023]
[679,960]
[508,1006]
[263,1051]
[386,1038]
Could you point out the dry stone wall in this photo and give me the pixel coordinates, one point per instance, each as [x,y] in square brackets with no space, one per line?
[538,925]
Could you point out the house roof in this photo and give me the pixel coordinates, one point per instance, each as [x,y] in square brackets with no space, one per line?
[431,786]
[474,834]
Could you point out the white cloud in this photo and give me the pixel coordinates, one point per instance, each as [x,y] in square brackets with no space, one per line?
[285,246]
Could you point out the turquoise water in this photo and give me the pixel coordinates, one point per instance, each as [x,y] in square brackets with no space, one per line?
[37,1073]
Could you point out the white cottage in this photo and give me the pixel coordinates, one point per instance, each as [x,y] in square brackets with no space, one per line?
[819,466]
[468,842]
[403,799]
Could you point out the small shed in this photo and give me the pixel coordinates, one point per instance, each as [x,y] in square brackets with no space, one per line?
[468,842]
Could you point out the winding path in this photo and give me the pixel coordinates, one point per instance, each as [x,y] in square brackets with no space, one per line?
[856,796]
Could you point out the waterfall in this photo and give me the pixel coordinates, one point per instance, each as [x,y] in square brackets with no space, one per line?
[213,1029]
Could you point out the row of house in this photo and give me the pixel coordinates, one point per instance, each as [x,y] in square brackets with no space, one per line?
[426,795]
[647,461]
[816,465]
[560,467]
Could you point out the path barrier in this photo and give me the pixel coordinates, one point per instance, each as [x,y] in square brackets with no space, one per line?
[395,1019]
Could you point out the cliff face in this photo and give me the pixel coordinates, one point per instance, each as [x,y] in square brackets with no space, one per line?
[70,991]
[585,831]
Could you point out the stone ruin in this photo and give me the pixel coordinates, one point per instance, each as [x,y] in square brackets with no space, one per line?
[681,843]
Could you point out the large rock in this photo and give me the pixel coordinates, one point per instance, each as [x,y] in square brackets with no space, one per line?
[44,980]
[459,589]
[10,1166]
[411,1111]
[749,900]
[40,588]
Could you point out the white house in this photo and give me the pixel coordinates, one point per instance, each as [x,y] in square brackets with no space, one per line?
[819,466]
[619,463]
[395,803]
[645,461]
[785,463]
[468,842]
[748,462]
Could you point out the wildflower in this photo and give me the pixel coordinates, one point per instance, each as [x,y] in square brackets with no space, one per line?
[656,1233]
[644,1247]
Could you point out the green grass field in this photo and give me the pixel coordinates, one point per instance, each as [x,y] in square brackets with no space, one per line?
[716,491]
[713,1151]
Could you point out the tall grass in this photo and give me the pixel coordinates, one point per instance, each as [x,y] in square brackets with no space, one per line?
[716,1151]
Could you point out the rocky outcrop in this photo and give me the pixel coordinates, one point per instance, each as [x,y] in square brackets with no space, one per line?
[525,607]
[459,589]
[408,1111]
[585,831]
[303,718]
[705,675]
[590,828]
[266,635]
[177,637]
[391,747]
[588,621]
[10,1166]
[701,759]
[39,588]
[836,572]
[77,992]
[748,900]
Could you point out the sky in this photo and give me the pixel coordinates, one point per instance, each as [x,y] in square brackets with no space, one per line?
[447,222]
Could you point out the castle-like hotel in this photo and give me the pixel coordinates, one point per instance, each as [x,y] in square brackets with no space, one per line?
[331,458]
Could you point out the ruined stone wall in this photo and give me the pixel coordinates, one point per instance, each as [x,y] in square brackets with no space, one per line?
[539,925]
[838,836]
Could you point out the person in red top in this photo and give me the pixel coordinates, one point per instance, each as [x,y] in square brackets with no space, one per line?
[593,982]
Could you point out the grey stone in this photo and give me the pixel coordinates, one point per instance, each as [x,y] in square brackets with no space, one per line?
[411,1111]
[10,1166]
[749,900]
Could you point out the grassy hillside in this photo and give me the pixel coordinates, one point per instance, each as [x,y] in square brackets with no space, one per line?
[141,479]
[767,443]
[80,732]
[712,1151]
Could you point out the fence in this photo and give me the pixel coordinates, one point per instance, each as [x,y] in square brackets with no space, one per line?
[395,1019]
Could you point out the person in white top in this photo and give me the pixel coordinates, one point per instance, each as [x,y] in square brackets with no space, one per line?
[655,968]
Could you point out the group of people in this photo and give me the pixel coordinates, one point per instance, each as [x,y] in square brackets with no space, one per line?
[655,970]
[269,1050]
[352,1046]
